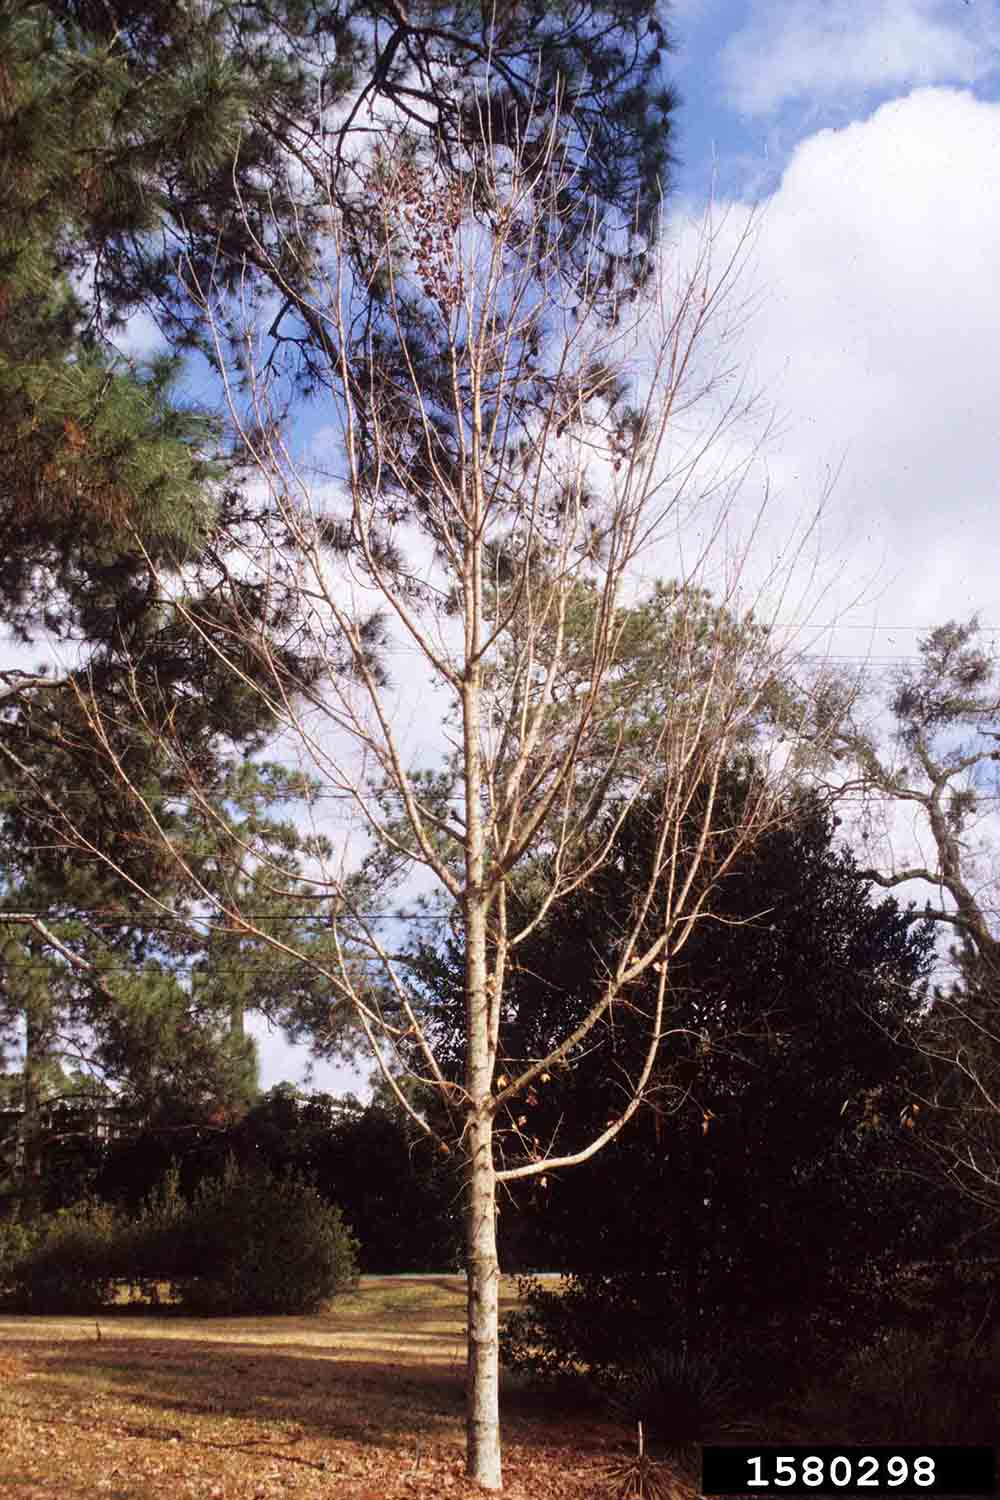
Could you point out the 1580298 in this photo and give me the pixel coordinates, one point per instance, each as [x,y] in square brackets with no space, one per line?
[815,1469]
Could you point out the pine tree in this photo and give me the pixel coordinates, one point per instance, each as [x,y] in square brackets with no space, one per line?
[215,135]
[300,150]
[108,486]
[148,1001]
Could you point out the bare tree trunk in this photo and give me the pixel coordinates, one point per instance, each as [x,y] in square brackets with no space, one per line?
[935,756]
[482,1412]
[31,1117]
[483,1273]
[482,1266]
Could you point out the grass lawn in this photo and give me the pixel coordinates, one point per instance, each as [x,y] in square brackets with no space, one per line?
[365,1401]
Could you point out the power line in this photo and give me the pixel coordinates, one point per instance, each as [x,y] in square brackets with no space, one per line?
[110,920]
[187,925]
[136,971]
[845,625]
[457,799]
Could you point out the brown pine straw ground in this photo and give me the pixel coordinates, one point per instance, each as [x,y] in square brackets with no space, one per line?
[362,1401]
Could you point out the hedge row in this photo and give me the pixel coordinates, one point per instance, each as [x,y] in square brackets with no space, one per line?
[245,1243]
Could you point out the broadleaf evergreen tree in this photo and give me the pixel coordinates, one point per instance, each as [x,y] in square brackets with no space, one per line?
[759,1212]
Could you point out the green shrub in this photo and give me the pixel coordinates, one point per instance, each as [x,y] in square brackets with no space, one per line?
[540,1340]
[17,1241]
[679,1397]
[67,1264]
[152,1247]
[247,1243]
[589,1334]
[911,1387]
[594,1323]
[254,1243]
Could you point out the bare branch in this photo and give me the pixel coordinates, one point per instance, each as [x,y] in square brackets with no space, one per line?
[507,449]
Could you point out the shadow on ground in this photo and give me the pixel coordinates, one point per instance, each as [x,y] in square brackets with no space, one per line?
[373,1399]
[322,1389]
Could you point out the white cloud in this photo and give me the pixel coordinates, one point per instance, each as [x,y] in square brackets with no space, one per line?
[280,1062]
[140,338]
[878,341]
[819,51]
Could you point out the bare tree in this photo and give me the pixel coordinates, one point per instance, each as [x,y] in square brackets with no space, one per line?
[916,767]
[509,441]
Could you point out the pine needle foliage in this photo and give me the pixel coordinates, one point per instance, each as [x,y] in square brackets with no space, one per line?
[207,137]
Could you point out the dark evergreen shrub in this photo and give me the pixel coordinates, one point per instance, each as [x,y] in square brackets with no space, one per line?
[909,1386]
[247,1243]
[154,1244]
[66,1265]
[254,1243]
[679,1397]
[398,1194]
[17,1241]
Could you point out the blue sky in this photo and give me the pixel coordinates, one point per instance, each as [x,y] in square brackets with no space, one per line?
[869,136]
[759,76]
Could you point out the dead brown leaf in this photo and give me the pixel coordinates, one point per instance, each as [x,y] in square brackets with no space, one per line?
[364,1402]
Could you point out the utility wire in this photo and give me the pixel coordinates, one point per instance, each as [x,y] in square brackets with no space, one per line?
[123,920]
[160,923]
[854,797]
